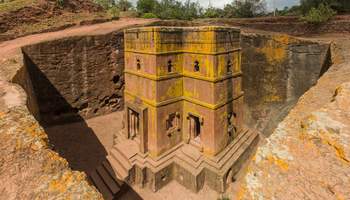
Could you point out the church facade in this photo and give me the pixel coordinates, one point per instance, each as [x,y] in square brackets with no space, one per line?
[183,108]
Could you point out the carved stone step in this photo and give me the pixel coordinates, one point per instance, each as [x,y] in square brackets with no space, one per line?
[118,168]
[121,158]
[101,186]
[108,180]
[111,172]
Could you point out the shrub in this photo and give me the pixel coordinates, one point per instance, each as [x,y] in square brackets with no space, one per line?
[123,5]
[175,9]
[212,12]
[60,3]
[146,6]
[106,4]
[245,8]
[321,14]
[149,16]
[341,6]
[113,12]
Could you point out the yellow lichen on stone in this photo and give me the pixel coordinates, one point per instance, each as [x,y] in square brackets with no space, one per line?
[275,50]
[284,39]
[272,98]
[53,161]
[338,149]
[36,131]
[62,183]
[278,162]
[175,90]
[241,193]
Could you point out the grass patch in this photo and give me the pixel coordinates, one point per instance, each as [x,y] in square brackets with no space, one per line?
[12,5]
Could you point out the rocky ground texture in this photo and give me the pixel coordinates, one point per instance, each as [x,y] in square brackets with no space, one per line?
[30,168]
[25,17]
[308,155]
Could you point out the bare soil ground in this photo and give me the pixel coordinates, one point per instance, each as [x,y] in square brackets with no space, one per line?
[23,17]
[10,51]
[290,25]
[85,144]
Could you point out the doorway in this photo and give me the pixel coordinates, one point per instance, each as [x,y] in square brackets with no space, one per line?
[194,128]
[133,123]
[137,122]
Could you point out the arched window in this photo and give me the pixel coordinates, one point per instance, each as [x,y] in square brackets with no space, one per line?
[170,66]
[138,64]
[196,66]
[229,66]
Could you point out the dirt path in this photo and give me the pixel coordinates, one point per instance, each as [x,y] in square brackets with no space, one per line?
[9,47]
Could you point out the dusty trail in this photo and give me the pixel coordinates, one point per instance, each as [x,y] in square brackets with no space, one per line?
[10,47]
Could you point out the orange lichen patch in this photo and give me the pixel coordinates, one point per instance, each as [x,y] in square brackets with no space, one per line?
[272,98]
[284,39]
[273,53]
[308,144]
[278,162]
[62,183]
[35,130]
[339,197]
[275,49]
[53,160]
[241,192]
[2,114]
[338,150]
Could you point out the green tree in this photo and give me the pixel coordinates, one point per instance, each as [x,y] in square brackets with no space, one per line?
[106,4]
[168,9]
[146,6]
[173,9]
[123,5]
[212,12]
[337,5]
[245,8]
[191,10]
[319,15]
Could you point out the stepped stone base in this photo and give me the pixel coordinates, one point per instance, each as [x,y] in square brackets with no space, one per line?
[184,163]
[106,181]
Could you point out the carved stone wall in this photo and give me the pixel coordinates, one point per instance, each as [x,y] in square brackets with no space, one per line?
[76,77]
[277,70]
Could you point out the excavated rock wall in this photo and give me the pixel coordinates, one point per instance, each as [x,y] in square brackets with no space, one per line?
[277,70]
[308,155]
[74,78]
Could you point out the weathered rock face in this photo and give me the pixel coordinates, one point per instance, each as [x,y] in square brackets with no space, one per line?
[277,70]
[77,77]
[308,155]
[28,168]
